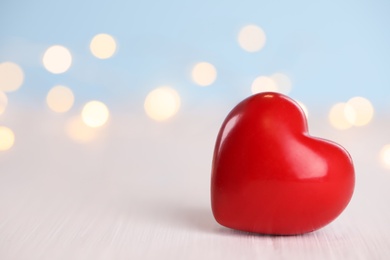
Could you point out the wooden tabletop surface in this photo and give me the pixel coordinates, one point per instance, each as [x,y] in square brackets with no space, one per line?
[141,191]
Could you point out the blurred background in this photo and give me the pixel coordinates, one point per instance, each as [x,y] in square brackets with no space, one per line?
[111,108]
[208,55]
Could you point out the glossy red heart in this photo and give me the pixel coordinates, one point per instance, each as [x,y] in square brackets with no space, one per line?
[270,176]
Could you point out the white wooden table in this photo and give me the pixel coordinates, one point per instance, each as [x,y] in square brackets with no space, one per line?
[141,191]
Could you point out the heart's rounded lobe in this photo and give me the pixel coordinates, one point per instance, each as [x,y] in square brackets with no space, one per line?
[269,176]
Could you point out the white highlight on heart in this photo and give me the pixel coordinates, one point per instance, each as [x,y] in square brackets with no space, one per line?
[304,108]
[228,127]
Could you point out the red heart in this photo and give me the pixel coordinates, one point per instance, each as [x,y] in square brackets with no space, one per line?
[269,176]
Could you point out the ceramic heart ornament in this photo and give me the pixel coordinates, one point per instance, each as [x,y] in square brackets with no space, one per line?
[270,176]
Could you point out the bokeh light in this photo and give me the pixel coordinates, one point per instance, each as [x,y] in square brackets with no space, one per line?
[3,102]
[60,99]
[204,74]
[57,59]
[363,111]
[338,116]
[7,138]
[263,84]
[162,103]
[283,82]
[103,46]
[385,156]
[251,38]
[78,131]
[11,76]
[304,108]
[95,114]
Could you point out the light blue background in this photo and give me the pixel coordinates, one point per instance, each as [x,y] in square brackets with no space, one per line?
[332,50]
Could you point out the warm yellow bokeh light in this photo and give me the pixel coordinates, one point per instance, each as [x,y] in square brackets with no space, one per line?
[95,114]
[80,132]
[263,84]
[204,74]
[11,76]
[60,99]
[3,102]
[283,82]
[363,111]
[7,138]
[304,108]
[251,38]
[103,46]
[385,156]
[162,103]
[57,59]
[338,116]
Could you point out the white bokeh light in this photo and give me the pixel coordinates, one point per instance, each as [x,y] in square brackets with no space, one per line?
[3,102]
[60,99]
[338,116]
[385,156]
[103,46]
[11,76]
[363,111]
[7,138]
[78,131]
[204,74]
[251,38]
[95,114]
[57,59]
[263,84]
[283,82]
[162,103]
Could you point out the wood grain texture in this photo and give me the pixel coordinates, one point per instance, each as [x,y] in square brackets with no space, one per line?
[142,192]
